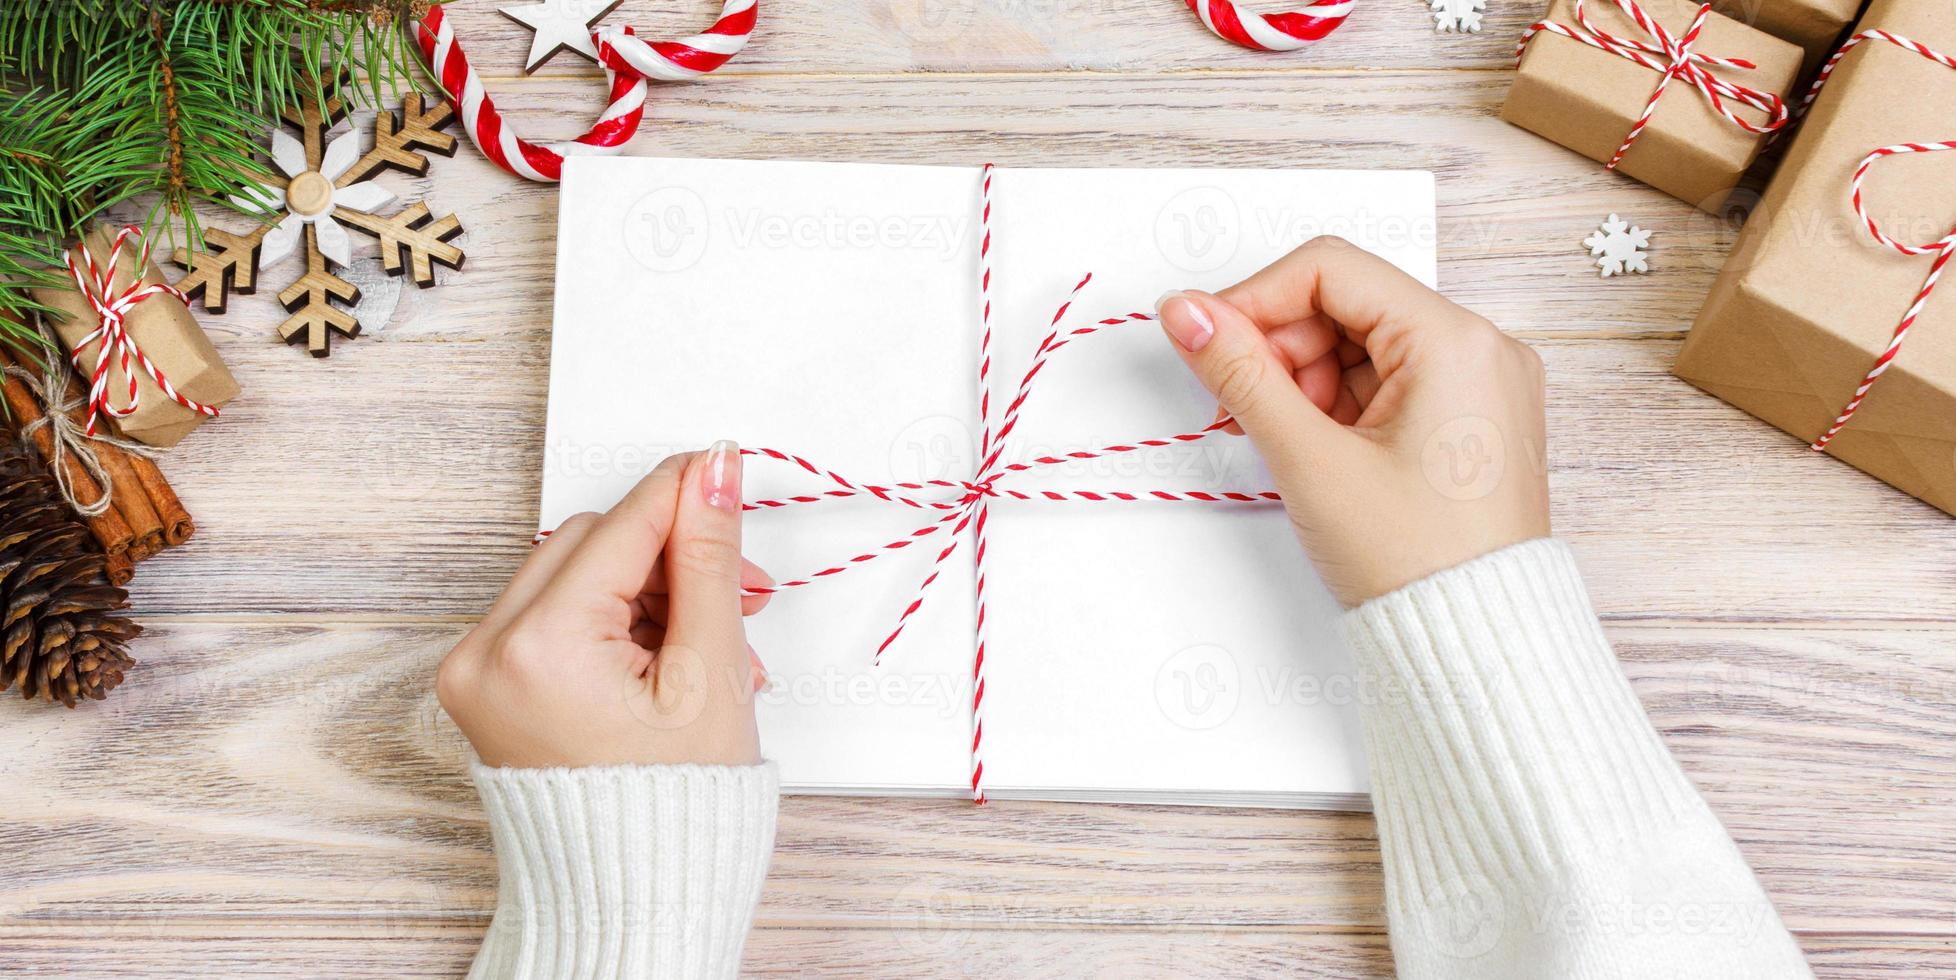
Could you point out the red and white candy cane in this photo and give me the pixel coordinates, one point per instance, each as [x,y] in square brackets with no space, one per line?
[1943,249]
[968,506]
[1671,56]
[628,62]
[97,285]
[1286,31]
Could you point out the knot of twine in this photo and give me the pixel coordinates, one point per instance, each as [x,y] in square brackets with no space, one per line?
[66,436]
[1671,56]
[969,508]
[1943,249]
[114,343]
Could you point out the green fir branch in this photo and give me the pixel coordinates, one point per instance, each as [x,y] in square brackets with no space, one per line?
[106,102]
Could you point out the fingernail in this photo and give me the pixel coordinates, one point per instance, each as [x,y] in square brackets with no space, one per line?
[1184,320]
[759,669]
[722,479]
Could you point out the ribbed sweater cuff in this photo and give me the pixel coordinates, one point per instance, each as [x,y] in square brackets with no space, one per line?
[625,871]
[1506,732]
[1532,821]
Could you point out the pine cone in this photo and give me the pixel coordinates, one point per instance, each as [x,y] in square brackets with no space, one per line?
[60,636]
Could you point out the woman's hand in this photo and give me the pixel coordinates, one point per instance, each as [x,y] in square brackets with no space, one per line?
[1405,433]
[620,641]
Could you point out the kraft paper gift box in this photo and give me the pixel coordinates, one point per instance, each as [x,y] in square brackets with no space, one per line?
[1815,25]
[1809,299]
[163,329]
[1588,99]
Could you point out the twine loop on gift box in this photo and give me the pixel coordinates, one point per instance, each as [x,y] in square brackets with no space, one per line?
[111,334]
[1671,56]
[629,62]
[968,506]
[1943,249]
[67,436]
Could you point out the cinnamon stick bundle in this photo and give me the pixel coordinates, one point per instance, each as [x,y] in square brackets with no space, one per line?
[145,515]
[177,523]
[111,531]
[129,500]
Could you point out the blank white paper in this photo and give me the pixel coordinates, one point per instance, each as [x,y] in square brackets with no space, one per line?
[1172,652]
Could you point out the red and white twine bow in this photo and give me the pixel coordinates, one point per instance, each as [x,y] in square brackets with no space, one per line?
[1286,31]
[628,61]
[1672,57]
[1943,249]
[968,507]
[97,285]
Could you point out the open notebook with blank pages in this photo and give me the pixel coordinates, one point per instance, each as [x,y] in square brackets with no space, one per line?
[1135,651]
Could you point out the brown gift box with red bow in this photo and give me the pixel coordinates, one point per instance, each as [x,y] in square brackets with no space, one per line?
[1815,25]
[1588,99]
[162,328]
[1809,299]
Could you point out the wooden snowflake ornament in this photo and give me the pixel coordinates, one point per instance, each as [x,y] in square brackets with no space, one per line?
[327,188]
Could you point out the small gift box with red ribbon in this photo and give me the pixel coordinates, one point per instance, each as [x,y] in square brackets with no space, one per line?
[1815,25]
[1674,95]
[148,366]
[1827,320]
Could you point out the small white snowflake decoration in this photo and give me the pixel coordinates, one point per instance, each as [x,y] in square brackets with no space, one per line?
[1618,247]
[1462,16]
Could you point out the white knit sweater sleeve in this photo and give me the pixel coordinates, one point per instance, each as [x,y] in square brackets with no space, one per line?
[625,871]
[1532,822]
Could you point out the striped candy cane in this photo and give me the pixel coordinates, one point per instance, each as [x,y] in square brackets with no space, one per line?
[1272,32]
[687,58]
[1672,57]
[628,62]
[968,506]
[114,345]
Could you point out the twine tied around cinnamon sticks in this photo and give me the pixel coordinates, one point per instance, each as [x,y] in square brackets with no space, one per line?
[69,436]
[113,484]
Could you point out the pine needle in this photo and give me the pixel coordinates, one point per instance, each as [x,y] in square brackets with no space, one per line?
[104,102]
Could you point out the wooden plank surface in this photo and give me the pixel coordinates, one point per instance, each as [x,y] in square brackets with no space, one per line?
[289,770]
[385,952]
[993,36]
[275,792]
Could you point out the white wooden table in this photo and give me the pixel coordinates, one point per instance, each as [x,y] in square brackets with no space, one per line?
[275,791]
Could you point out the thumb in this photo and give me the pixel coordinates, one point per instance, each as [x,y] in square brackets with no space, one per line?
[702,558]
[1238,364]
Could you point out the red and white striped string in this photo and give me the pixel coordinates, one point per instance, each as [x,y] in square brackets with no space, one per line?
[628,61]
[968,507]
[1287,31]
[111,335]
[1872,34]
[1672,57]
[1943,249]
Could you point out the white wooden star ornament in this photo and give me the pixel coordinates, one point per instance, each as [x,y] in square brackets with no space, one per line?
[559,25]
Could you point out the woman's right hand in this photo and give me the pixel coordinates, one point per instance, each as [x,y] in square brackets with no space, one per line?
[1406,434]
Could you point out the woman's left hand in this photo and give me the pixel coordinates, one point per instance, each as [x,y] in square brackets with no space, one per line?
[620,640]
